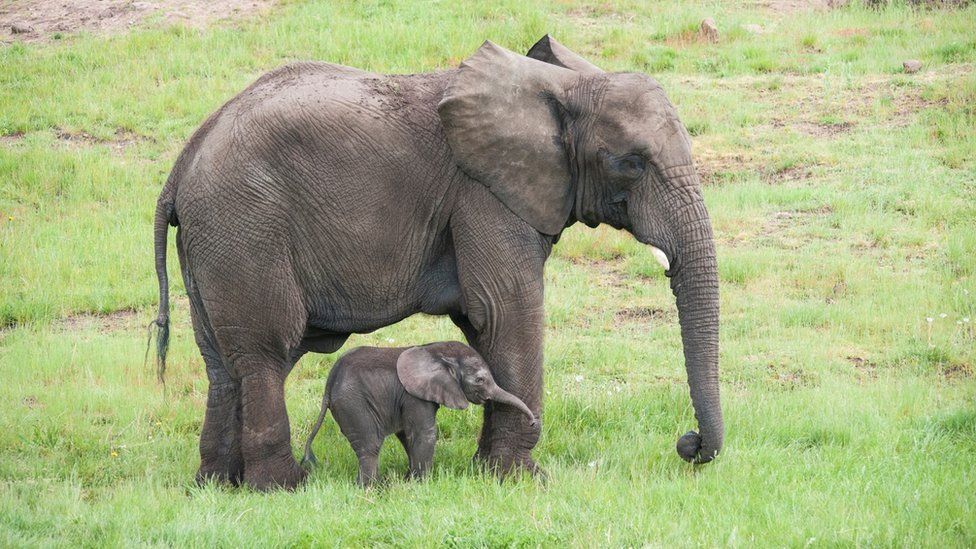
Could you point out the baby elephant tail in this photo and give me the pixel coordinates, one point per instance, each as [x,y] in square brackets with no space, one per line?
[309,460]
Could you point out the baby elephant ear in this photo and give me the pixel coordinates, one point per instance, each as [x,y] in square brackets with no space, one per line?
[430,378]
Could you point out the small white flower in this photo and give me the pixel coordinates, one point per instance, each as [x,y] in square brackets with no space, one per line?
[965,319]
[929,319]
[617,388]
[579,379]
[942,315]
[592,464]
[390,340]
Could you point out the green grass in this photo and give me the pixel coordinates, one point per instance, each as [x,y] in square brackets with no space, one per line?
[843,195]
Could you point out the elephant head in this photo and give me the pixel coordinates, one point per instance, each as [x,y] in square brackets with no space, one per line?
[558,141]
[452,374]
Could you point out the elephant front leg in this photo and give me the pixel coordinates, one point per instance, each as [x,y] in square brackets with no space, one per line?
[266,444]
[514,353]
[420,437]
[507,437]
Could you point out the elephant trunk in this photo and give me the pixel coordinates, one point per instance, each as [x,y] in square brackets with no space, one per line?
[694,282]
[497,394]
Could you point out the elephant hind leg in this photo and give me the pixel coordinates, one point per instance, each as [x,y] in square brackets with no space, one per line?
[220,439]
[258,326]
[268,459]
[368,453]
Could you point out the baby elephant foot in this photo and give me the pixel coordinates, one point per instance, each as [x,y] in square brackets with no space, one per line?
[269,474]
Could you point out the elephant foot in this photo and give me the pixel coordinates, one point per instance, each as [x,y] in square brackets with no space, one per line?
[506,464]
[271,474]
[222,473]
[506,444]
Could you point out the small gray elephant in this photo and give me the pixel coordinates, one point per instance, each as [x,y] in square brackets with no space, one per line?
[374,392]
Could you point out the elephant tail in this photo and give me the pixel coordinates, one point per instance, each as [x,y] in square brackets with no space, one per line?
[165,216]
[309,459]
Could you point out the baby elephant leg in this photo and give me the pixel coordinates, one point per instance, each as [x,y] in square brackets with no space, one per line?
[368,469]
[367,448]
[420,436]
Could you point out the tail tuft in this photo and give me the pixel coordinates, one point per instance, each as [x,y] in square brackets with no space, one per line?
[162,345]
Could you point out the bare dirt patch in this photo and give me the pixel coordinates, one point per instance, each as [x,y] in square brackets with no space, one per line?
[44,20]
[719,169]
[716,166]
[643,314]
[105,323]
[954,371]
[866,369]
[602,16]
[791,216]
[790,174]
[11,137]
[121,140]
[794,6]
[852,32]
[823,129]
[608,273]
[779,225]
[788,377]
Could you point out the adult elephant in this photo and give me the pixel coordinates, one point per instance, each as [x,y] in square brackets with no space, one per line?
[324,201]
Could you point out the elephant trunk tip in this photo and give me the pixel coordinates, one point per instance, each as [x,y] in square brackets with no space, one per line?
[504,397]
[689,447]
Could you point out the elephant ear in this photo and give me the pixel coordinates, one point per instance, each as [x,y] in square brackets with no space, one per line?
[501,116]
[549,51]
[430,378]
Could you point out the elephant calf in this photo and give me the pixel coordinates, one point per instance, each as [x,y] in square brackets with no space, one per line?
[374,392]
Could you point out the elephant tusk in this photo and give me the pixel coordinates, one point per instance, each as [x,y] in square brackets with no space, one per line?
[661,258]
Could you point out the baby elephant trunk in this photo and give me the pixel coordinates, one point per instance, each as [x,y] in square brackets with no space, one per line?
[504,397]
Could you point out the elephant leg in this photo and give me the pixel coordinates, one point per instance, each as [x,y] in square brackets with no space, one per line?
[259,338]
[368,452]
[420,437]
[507,438]
[500,272]
[514,353]
[220,438]
[268,459]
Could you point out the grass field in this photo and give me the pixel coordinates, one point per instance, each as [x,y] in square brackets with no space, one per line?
[843,195]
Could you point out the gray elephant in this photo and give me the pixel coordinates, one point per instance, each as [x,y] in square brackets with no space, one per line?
[374,392]
[324,201]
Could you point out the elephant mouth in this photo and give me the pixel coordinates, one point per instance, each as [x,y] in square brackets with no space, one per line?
[661,253]
[661,257]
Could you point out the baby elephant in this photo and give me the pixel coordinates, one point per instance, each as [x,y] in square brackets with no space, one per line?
[374,392]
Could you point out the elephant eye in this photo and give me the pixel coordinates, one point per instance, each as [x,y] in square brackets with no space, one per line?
[629,166]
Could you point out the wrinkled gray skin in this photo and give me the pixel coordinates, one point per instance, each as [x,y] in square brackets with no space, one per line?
[324,201]
[375,392]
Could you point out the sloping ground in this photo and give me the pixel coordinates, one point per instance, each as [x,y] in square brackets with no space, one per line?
[44,20]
